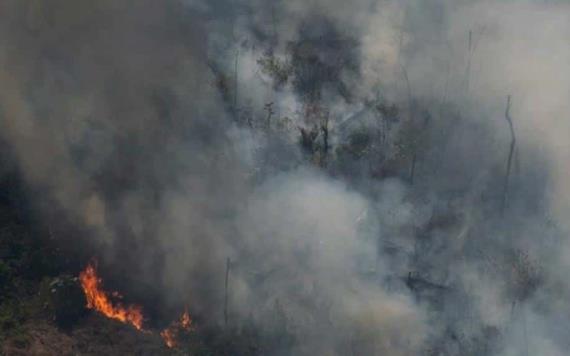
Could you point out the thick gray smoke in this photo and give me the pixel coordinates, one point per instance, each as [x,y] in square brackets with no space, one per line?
[169,133]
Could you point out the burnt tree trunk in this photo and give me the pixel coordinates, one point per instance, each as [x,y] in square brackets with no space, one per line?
[228,266]
[510,157]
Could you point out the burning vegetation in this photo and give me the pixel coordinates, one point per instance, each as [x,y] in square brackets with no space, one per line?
[102,301]
[109,305]
[171,334]
[365,187]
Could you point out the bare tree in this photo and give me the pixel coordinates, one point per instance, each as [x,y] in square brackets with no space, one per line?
[472,42]
[308,137]
[469,58]
[410,118]
[523,276]
[236,60]
[510,157]
[269,109]
[404,72]
[228,267]
[525,280]
[325,120]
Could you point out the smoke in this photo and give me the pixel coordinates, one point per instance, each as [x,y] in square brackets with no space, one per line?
[146,125]
[308,245]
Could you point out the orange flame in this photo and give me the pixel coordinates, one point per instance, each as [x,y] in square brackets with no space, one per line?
[169,337]
[185,320]
[99,300]
[170,334]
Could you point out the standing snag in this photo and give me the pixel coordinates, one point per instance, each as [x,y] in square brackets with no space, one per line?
[511,151]
[228,266]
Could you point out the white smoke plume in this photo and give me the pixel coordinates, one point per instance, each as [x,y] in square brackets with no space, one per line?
[125,119]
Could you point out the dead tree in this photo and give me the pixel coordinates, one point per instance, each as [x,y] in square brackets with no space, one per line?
[236,84]
[469,57]
[523,276]
[308,138]
[511,151]
[417,137]
[274,39]
[446,85]
[269,108]
[526,278]
[411,119]
[401,64]
[471,47]
[228,266]
[325,131]
[413,168]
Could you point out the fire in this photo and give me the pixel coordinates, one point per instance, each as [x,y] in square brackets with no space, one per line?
[185,320]
[170,334]
[102,302]
[99,300]
[168,337]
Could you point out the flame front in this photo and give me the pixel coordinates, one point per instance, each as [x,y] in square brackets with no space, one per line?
[170,334]
[185,320]
[99,300]
[102,301]
[168,337]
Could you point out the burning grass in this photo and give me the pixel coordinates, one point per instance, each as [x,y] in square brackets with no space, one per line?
[170,335]
[100,300]
[106,303]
